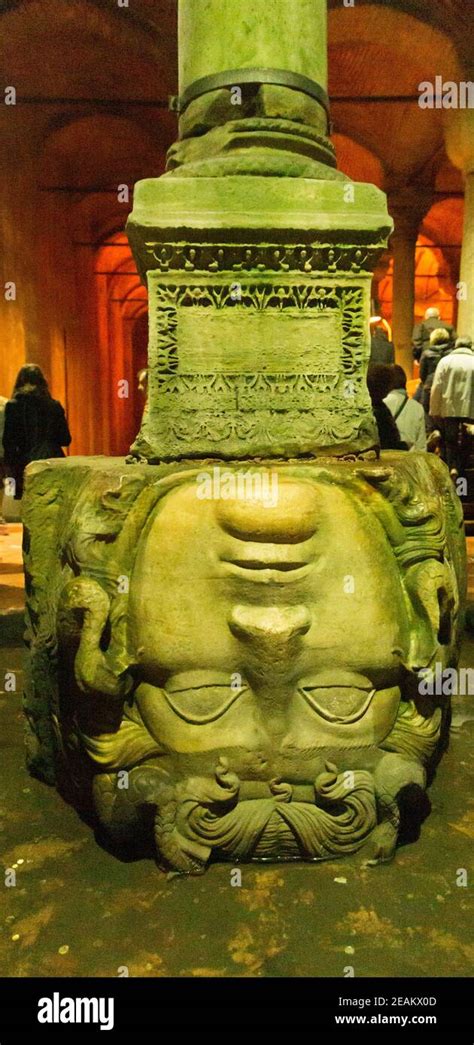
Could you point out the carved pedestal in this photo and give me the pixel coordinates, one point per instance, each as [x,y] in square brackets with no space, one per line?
[259,308]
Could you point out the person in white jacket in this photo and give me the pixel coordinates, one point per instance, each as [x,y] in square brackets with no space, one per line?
[452,401]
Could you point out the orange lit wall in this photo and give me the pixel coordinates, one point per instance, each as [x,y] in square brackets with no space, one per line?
[434,285]
[121,303]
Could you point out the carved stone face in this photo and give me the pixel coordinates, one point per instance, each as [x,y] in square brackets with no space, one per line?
[270,630]
[258,676]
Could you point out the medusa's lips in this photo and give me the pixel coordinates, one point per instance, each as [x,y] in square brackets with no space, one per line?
[337,701]
[276,563]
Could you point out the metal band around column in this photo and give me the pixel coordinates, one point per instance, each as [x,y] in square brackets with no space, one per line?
[236,77]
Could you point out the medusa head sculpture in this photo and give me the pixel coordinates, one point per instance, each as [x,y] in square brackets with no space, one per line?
[236,675]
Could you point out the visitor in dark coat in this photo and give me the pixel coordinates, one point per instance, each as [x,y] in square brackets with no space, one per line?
[35,425]
[438,347]
[423,331]
[381,349]
[430,357]
[379,383]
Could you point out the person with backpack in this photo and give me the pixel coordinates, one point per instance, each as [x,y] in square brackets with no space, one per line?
[379,385]
[409,416]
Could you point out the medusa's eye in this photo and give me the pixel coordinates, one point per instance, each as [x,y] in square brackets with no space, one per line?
[202,700]
[345,697]
[338,703]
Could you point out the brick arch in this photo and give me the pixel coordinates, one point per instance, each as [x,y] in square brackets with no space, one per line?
[359,163]
[433,283]
[120,298]
[385,52]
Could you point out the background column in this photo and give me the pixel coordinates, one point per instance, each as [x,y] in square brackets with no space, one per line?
[408,209]
[459,134]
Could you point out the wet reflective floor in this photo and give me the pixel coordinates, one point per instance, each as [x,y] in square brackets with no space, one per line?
[76,910]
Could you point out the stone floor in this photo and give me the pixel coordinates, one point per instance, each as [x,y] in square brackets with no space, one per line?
[12,596]
[76,910]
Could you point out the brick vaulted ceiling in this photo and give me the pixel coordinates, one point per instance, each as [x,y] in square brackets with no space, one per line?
[124,60]
[93,81]
[452,17]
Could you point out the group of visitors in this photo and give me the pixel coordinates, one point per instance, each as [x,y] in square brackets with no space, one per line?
[440,415]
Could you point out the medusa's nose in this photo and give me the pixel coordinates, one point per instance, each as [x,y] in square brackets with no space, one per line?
[270,626]
[276,511]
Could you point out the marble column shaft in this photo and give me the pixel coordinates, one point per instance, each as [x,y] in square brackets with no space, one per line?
[215,36]
[407,210]
[459,137]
